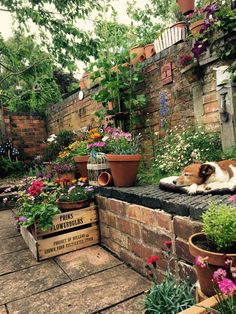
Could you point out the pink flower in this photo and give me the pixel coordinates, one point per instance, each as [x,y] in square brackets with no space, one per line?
[200,261]
[168,243]
[219,275]
[227,286]
[232,198]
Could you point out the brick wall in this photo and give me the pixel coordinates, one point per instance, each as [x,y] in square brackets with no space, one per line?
[189,101]
[135,232]
[27,131]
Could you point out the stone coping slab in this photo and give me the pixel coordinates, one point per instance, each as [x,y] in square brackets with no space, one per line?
[85,296]
[174,203]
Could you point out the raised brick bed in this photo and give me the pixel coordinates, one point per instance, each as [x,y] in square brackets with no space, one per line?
[135,221]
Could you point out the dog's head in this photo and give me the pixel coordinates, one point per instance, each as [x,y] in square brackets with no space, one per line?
[196,173]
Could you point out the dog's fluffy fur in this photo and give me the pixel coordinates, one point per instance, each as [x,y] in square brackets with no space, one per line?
[211,174]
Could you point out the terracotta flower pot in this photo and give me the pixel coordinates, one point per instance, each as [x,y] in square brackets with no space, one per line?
[186,6]
[137,54]
[124,169]
[105,179]
[81,165]
[149,50]
[196,27]
[68,206]
[180,24]
[214,261]
[82,84]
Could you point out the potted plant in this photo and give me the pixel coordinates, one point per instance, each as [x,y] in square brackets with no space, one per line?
[80,155]
[122,156]
[65,168]
[186,6]
[197,21]
[215,245]
[77,196]
[171,295]
[37,204]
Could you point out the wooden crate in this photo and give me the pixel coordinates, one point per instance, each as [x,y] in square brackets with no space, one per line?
[71,231]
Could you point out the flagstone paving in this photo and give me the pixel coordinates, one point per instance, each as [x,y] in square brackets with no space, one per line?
[86,281]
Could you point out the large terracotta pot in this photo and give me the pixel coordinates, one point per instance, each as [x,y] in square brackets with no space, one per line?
[81,165]
[124,169]
[186,6]
[68,206]
[137,54]
[149,50]
[196,27]
[215,260]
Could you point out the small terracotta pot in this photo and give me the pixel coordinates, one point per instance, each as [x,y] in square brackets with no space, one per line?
[137,54]
[215,260]
[105,179]
[81,164]
[149,50]
[196,27]
[124,169]
[68,206]
[180,24]
[186,6]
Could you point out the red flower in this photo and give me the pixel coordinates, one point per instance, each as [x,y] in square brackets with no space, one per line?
[153,259]
[168,243]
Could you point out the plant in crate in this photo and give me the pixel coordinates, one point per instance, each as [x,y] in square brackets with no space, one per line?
[170,296]
[216,244]
[37,204]
[79,195]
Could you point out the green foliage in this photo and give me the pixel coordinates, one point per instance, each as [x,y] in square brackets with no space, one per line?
[231,153]
[10,168]
[56,21]
[81,149]
[26,81]
[169,297]
[219,225]
[123,146]
[176,150]
[65,138]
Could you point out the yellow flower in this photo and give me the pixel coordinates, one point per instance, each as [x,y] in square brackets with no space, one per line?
[95,136]
[74,181]
[63,154]
[93,130]
[83,179]
[73,145]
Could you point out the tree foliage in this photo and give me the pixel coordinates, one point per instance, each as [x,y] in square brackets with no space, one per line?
[27,78]
[57,22]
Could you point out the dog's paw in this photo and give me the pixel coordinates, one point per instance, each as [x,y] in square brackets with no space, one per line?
[192,189]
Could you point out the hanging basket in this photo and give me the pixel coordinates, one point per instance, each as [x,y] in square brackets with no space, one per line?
[97,164]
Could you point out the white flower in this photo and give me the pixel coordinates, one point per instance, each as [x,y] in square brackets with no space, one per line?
[105,138]
[5,200]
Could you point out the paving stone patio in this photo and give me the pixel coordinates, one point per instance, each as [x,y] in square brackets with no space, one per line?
[90,280]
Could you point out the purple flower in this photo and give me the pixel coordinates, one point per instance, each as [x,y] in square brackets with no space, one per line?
[89,188]
[211,9]
[227,286]
[40,175]
[71,189]
[199,47]
[23,219]
[219,275]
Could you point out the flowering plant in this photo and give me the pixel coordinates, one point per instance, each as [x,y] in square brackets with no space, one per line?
[37,204]
[224,280]
[197,15]
[64,166]
[77,192]
[185,60]
[170,296]
[119,142]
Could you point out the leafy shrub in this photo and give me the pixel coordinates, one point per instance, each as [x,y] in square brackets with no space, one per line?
[231,153]
[219,225]
[176,150]
[10,168]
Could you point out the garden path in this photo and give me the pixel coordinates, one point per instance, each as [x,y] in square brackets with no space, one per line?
[90,280]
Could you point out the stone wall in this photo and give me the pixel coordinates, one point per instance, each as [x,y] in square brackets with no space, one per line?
[27,131]
[134,232]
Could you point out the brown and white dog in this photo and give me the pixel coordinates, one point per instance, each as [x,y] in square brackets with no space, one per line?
[210,175]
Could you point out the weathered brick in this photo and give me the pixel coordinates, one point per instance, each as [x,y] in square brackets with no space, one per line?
[105,230]
[118,237]
[210,97]
[112,246]
[182,250]
[117,207]
[111,219]
[211,107]
[185,227]
[136,262]
[155,237]
[128,227]
[139,249]
[164,220]
[187,272]
[101,202]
